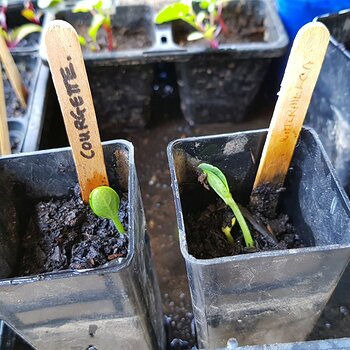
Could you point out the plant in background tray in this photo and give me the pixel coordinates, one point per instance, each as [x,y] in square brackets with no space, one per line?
[45,4]
[205,16]
[14,36]
[101,18]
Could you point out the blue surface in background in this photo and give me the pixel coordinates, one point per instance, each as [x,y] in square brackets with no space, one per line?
[296,13]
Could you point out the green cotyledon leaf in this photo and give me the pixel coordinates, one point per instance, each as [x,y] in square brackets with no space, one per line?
[96,24]
[104,202]
[216,180]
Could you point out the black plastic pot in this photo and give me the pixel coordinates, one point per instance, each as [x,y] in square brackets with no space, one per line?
[329,112]
[18,119]
[265,297]
[120,81]
[115,306]
[10,339]
[214,83]
[15,19]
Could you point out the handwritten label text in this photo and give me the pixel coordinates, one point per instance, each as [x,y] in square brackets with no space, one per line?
[295,100]
[78,111]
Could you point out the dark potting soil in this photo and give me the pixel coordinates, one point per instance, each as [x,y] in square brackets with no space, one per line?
[242,25]
[124,38]
[270,231]
[347,45]
[66,234]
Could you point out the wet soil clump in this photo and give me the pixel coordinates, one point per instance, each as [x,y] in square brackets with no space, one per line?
[270,230]
[66,234]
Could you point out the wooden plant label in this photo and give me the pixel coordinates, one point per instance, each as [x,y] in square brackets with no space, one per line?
[5,145]
[12,73]
[72,87]
[300,77]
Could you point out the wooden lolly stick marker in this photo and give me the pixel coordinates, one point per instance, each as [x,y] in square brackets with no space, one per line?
[73,90]
[5,145]
[12,73]
[299,80]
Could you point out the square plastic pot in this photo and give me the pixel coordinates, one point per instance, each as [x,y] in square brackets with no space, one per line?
[115,306]
[120,81]
[266,297]
[214,82]
[329,111]
[10,339]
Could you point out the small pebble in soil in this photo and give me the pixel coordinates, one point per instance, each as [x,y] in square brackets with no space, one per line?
[178,323]
[178,344]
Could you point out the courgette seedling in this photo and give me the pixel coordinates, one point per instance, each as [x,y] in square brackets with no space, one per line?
[217,181]
[104,202]
[101,18]
[207,22]
[14,36]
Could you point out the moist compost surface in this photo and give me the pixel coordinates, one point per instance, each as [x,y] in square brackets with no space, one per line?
[66,234]
[270,231]
[242,25]
[124,38]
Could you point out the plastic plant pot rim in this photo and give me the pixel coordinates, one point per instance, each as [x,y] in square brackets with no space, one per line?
[335,42]
[113,266]
[286,252]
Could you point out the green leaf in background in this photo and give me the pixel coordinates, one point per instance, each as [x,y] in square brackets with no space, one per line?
[44,4]
[24,30]
[210,33]
[211,8]
[174,12]
[204,4]
[28,14]
[96,24]
[84,6]
[98,4]
[200,17]
[82,40]
[104,202]
[195,36]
